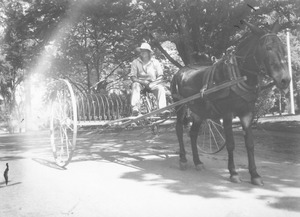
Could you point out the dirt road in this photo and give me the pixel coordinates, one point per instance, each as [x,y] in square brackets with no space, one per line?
[137,174]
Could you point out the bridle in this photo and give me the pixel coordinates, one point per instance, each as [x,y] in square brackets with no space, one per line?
[251,54]
[261,72]
[261,68]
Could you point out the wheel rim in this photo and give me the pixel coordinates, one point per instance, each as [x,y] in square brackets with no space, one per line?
[63,125]
[212,139]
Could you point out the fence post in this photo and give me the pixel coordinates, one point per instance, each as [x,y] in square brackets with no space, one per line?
[292,105]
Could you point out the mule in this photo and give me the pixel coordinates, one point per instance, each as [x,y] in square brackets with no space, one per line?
[259,53]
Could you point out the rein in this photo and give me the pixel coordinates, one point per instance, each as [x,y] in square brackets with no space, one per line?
[251,54]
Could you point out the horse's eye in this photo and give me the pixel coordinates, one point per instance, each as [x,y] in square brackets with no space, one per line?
[268,48]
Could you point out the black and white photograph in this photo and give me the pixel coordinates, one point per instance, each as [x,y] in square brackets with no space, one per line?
[149,108]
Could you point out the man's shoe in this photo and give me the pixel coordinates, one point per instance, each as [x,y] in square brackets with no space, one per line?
[165,113]
[135,112]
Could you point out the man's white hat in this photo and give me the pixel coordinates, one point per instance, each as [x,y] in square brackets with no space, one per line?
[144,46]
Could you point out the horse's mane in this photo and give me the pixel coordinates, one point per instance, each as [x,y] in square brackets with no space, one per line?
[245,43]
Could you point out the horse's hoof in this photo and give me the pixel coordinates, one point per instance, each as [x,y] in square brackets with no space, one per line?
[257,181]
[199,167]
[235,179]
[183,165]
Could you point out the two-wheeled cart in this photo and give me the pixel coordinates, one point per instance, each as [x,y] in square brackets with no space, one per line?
[72,110]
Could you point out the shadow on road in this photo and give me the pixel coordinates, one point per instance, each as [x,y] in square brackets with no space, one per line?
[2,184]
[155,162]
[50,164]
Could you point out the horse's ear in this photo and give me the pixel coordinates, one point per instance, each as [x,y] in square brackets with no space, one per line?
[276,26]
[252,27]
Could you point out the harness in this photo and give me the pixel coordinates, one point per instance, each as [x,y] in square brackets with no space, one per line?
[248,92]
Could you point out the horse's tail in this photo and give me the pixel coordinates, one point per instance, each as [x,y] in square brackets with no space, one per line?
[181,110]
[174,88]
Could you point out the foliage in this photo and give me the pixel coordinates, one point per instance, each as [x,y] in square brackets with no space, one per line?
[209,27]
[91,41]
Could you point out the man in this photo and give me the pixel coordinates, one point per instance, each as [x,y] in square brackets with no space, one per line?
[146,72]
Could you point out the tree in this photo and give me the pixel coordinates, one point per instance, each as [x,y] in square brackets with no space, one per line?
[90,41]
[207,27]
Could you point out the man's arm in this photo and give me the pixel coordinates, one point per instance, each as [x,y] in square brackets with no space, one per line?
[143,82]
[159,70]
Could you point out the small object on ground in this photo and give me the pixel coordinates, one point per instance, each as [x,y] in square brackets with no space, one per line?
[6,174]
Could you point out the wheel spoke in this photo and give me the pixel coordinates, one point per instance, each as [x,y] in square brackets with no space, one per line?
[218,131]
[63,124]
[213,135]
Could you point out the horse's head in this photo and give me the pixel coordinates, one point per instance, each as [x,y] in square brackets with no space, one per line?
[271,55]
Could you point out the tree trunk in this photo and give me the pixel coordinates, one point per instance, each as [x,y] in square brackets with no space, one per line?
[28,107]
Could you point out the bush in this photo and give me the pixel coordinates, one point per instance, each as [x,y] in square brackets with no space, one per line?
[263,104]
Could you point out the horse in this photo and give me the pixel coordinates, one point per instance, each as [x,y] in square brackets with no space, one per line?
[259,53]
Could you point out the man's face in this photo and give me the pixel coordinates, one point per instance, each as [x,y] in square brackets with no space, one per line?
[145,54]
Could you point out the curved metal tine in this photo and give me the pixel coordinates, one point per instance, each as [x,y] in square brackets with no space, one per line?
[93,107]
[88,106]
[124,105]
[110,107]
[128,107]
[119,106]
[107,107]
[103,108]
[113,110]
[97,108]
[80,107]
[123,101]
[113,104]
[83,107]
[114,107]
[92,104]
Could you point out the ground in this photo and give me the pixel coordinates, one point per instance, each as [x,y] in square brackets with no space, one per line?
[134,173]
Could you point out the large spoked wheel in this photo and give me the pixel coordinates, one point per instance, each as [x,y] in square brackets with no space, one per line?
[63,123]
[212,138]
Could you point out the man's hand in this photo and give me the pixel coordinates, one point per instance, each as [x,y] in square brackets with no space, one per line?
[145,83]
[142,82]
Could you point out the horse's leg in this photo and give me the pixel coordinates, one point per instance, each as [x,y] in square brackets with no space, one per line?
[230,145]
[194,135]
[179,132]
[246,122]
